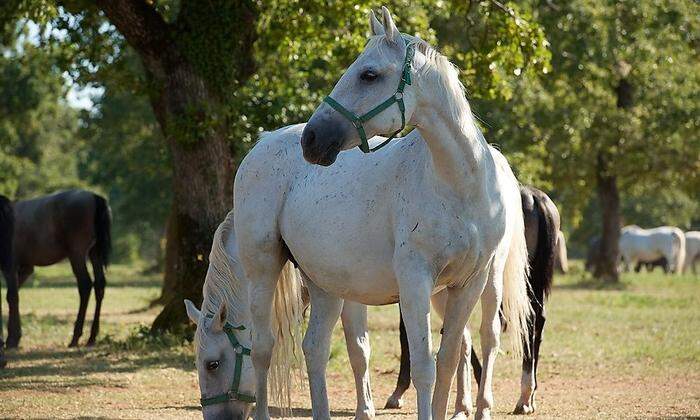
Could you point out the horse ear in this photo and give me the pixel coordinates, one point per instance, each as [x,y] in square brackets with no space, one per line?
[375,27]
[392,33]
[217,324]
[192,312]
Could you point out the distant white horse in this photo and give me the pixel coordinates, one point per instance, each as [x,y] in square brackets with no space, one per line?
[637,244]
[438,209]
[692,249]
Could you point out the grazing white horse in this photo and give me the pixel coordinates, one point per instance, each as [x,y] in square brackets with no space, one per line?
[692,249]
[226,394]
[439,209]
[637,244]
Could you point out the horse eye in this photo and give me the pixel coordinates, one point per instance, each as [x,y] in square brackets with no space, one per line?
[368,75]
[213,365]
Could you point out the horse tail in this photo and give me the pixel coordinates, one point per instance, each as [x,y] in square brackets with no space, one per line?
[103,230]
[679,244]
[542,267]
[286,367]
[561,255]
[7,229]
[516,307]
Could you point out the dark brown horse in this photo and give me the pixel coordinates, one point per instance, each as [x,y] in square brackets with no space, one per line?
[71,224]
[7,228]
[542,225]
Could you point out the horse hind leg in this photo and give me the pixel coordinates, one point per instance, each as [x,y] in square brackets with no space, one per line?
[84,287]
[528,381]
[404,380]
[354,317]
[100,284]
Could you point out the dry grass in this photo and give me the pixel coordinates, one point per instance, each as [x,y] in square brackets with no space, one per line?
[627,351]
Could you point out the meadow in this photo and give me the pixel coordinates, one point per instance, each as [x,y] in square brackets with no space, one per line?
[632,350]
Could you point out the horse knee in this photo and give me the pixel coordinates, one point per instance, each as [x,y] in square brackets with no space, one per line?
[314,354]
[261,354]
[423,373]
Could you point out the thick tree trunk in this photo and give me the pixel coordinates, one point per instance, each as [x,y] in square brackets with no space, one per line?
[183,103]
[202,190]
[609,197]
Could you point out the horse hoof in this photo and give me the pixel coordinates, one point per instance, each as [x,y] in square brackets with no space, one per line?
[90,342]
[462,415]
[3,361]
[364,415]
[483,414]
[12,343]
[394,402]
[523,409]
[73,343]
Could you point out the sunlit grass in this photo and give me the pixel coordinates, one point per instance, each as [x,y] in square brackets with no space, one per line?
[644,330]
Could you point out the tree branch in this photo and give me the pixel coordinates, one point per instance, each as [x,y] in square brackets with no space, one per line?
[143,28]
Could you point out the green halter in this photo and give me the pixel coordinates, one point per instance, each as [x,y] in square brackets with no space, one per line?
[396,97]
[232,394]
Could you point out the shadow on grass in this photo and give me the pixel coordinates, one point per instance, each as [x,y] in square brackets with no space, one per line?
[306,412]
[70,282]
[60,369]
[590,283]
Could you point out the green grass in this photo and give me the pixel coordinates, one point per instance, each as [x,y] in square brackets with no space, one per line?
[632,349]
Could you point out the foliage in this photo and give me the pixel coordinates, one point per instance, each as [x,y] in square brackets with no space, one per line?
[565,118]
[38,132]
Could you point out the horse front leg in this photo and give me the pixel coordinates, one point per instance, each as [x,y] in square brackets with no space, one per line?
[459,306]
[325,310]
[14,278]
[415,287]
[354,317]
[263,281]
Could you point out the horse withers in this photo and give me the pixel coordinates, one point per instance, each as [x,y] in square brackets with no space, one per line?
[72,224]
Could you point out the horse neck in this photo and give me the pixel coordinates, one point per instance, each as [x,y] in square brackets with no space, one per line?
[459,154]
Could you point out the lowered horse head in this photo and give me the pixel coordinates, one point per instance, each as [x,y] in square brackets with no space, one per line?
[374,96]
[223,340]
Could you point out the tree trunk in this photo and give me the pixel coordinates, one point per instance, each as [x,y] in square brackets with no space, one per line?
[169,264]
[202,189]
[609,197]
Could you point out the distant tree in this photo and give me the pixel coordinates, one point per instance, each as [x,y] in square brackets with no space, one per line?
[618,109]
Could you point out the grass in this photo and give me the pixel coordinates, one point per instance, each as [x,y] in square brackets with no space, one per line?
[628,350]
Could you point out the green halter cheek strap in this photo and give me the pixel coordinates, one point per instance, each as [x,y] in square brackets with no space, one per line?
[232,394]
[397,98]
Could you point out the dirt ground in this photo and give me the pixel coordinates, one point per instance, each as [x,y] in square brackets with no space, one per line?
[632,351]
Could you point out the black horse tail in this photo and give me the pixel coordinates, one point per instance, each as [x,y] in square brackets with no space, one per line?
[542,264]
[7,229]
[103,230]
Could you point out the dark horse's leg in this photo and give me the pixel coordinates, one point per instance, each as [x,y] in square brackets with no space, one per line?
[531,345]
[404,380]
[77,263]
[14,326]
[100,283]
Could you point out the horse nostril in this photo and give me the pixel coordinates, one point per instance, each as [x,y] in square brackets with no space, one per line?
[308,138]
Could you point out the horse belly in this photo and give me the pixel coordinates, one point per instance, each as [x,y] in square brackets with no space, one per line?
[344,246]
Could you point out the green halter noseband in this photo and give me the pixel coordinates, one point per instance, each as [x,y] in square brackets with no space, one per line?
[396,97]
[232,394]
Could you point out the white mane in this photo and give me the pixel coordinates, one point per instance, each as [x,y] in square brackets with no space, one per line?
[439,75]
[223,284]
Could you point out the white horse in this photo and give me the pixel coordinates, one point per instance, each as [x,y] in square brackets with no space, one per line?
[692,249]
[218,328]
[438,209]
[637,244]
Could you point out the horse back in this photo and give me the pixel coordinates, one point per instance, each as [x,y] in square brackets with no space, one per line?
[53,227]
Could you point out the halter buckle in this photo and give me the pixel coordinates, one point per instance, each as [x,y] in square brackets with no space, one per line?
[238,349]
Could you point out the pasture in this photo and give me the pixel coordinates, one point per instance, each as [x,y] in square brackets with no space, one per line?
[628,351]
